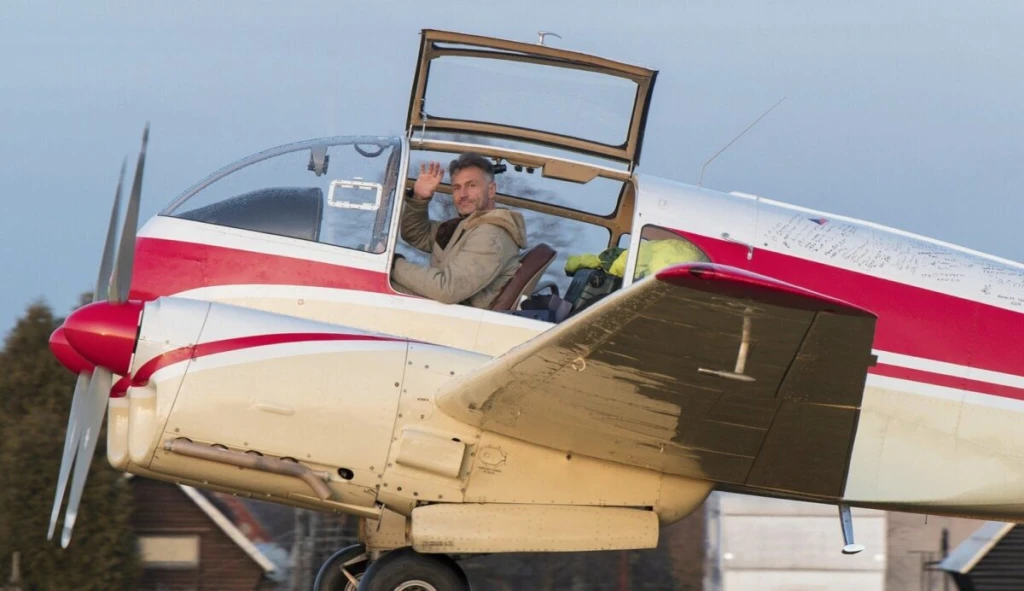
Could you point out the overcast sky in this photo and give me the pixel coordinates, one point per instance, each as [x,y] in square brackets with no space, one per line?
[905,114]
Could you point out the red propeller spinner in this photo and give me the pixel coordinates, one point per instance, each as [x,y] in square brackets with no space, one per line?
[103,334]
[66,354]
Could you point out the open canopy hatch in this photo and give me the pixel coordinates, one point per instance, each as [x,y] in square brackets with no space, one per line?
[505,89]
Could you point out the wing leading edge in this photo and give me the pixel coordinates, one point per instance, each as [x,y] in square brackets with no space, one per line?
[702,370]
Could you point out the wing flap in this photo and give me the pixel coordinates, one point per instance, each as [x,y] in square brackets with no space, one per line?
[654,376]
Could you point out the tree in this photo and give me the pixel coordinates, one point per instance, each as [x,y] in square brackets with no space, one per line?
[35,399]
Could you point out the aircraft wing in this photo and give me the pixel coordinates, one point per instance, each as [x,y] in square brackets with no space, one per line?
[655,375]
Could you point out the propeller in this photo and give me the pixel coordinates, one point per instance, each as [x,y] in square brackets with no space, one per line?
[121,280]
[70,447]
[103,334]
[82,386]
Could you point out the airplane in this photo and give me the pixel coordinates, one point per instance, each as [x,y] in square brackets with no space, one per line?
[248,340]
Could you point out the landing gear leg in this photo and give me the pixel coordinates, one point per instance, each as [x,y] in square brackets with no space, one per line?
[343,570]
[409,570]
[846,521]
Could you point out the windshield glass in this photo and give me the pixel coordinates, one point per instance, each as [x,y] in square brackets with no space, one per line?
[338,191]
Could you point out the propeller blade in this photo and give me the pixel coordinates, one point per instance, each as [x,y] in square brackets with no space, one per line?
[122,277]
[70,447]
[93,408]
[107,262]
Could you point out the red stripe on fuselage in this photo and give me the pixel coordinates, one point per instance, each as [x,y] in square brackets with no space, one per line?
[167,267]
[120,387]
[911,320]
[141,377]
[938,379]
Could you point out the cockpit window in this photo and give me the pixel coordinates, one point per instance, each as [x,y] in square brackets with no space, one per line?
[661,248]
[530,92]
[574,103]
[338,191]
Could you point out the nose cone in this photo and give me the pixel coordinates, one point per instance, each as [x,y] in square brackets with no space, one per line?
[104,334]
[66,354]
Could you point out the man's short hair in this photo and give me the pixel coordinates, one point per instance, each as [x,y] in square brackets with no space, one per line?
[471,160]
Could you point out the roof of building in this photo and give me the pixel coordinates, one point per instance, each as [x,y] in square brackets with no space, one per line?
[964,557]
[263,522]
[228,528]
[225,525]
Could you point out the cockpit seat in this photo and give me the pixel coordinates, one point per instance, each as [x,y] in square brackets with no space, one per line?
[532,265]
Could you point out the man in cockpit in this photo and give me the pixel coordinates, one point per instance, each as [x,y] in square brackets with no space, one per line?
[473,255]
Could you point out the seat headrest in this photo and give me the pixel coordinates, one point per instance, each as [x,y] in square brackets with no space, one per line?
[532,265]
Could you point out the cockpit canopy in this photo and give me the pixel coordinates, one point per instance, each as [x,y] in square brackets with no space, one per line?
[564,130]
[532,93]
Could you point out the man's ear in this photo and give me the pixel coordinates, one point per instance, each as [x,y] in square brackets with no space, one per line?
[492,191]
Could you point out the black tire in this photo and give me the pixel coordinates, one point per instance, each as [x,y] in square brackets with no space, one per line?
[405,565]
[330,577]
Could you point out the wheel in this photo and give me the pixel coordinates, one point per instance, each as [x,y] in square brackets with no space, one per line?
[407,570]
[331,576]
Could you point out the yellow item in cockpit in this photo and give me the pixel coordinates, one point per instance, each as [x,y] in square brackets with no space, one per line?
[603,260]
[656,255]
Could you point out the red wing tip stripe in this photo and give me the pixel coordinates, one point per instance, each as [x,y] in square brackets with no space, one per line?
[741,284]
[141,377]
[938,379]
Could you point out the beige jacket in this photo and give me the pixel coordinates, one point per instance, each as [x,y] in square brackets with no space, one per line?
[481,257]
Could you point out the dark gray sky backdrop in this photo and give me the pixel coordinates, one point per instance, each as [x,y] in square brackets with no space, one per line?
[903,113]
